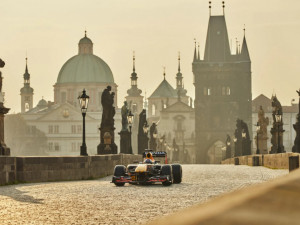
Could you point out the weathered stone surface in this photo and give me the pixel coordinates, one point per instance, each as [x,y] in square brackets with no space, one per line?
[41,169]
[101,202]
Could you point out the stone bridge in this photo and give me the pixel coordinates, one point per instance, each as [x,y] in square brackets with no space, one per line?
[100,202]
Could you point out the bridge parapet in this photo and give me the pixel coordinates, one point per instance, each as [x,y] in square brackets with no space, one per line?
[43,169]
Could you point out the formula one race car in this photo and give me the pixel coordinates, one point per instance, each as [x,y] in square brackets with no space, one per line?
[148,172]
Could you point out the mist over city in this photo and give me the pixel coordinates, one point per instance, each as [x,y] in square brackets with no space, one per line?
[182,100]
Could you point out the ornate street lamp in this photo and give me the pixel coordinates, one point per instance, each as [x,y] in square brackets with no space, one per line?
[257,133]
[243,141]
[83,103]
[278,121]
[130,122]
[235,146]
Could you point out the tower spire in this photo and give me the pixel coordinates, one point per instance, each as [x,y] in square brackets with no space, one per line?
[244,52]
[133,61]
[26,68]
[198,51]
[178,62]
[195,52]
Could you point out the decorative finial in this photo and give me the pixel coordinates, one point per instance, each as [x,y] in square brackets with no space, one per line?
[178,61]
[209,3]
[244,29]
[223,6]
[85,33]
[164,72]
[133,61]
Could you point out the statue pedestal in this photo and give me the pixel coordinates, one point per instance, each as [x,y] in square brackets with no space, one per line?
[125,142]
[107,146]
[142,143]
[296,147]
[4,150]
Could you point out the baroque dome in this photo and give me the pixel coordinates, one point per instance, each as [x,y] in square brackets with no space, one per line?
[85,67]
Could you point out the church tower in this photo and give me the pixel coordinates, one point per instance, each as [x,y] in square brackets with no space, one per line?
[26,92]
[134,97]
[222,90]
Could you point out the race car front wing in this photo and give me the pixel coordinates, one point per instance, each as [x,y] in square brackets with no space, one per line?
[128,179]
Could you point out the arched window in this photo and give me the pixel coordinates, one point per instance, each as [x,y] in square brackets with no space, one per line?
[26,107]
[228,91]
[208,91]
[153,110]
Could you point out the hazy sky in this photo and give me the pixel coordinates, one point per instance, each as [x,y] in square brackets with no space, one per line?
[49,31]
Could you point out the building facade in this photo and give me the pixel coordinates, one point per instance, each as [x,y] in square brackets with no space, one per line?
[222,89]
[61,120]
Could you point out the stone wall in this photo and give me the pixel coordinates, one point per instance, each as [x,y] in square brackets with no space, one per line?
[7,170]
[42,169]
[273,161]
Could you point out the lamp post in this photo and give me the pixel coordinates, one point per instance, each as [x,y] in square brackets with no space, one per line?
[257,133]
[130,121]
[228,150]
[243,141]
[235,146]
[278,121]
[83,102]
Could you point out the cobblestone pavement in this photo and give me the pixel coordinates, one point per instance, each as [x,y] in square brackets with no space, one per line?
[101,202]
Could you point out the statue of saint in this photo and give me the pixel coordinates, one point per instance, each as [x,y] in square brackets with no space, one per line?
[107,101]
[124,113]
[2,64]
[263,122]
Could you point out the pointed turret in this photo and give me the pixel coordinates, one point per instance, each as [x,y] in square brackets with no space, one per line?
[245,53]
[26,92]
[134,97]
[134,91]
[179,80]
[195,51]
[217,47]
[198,56]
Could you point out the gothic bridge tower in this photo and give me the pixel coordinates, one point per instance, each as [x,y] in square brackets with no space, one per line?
[222,90]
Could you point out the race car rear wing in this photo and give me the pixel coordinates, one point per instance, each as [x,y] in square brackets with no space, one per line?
[156,154]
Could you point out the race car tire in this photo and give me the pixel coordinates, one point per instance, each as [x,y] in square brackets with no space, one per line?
[119,171]
[177,173]
[167,170]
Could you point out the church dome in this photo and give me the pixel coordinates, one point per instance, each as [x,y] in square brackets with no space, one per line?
[85,67]
[42,103]
[85,40]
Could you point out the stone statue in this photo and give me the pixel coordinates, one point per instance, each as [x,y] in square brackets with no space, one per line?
[107,101]
[124,113]
[277,108]
[296,146]
[107,123]
[152,143]
[2,64]
[263,122]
